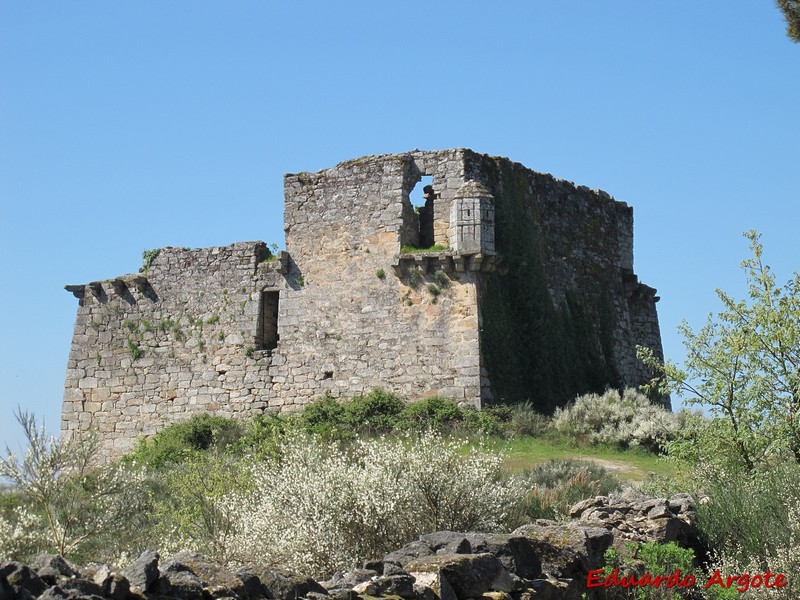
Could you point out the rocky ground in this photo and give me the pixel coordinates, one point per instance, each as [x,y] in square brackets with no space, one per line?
[543,560]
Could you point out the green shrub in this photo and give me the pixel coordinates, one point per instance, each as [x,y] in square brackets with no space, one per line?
[434,412]
[748,516]
[485,422]
[176,442]
[325,417]
[525,420]
[63,503]
[637,559]
[377,412]
[189,512]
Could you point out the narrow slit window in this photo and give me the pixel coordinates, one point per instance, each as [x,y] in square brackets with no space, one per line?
[267,337]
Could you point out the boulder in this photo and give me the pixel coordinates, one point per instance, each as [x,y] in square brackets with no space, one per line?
[6,591]
[469,575]
[54,592]
[566,550]
[285,585]
[211,574]
[143,572]
[53,567]
[22,576]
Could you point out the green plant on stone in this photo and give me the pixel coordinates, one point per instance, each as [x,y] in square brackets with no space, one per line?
[655,559]
[173,444]
[134,349]
[380,274]
[148,256]
[249,351]
[212,320]
[441,279]
[414,276]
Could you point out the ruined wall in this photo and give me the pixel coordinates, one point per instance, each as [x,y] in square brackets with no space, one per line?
[359,320]
[568,312]
[152,348]
[542,303]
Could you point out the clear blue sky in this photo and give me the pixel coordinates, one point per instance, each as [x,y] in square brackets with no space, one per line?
[133,125]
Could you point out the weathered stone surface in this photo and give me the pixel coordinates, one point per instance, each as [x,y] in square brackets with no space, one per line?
[22,576]
[143,572]
[54,593]
[210,573]
[285,585]
[566,550]
[469,575]
[234,331]
[640,520]
[6,591]
[81,587]
[52,567]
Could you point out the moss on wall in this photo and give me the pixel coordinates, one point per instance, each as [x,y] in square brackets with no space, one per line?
[533,349]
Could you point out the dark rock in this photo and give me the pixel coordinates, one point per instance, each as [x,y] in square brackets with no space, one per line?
[22,593]
[6,590]
[397,585]
[390,569]
[251,582]
[22,576]
[54,593]
[52,567]
[469,575]
[516,553]
[181,584]
[340,594]
[350,580]
[116,587]
[285,585]
[447,542]
[210,573]
[566,550]
[81,587]
[143,572]
[409,552]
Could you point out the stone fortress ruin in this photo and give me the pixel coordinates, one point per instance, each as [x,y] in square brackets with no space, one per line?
[506,285]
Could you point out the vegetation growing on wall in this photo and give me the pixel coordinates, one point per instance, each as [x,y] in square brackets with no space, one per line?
[533,349]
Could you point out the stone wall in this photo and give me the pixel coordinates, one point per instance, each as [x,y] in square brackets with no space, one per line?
[550,308]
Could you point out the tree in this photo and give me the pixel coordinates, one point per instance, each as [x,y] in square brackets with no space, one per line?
[744,365]
[791,12]
[82,507]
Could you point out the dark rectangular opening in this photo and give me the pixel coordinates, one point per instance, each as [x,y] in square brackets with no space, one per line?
[267,335]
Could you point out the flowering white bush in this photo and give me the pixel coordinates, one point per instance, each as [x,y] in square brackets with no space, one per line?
[627,419]
[78,507]
[21,536]
[320,508]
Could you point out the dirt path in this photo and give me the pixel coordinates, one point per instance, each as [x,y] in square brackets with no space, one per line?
[613,465]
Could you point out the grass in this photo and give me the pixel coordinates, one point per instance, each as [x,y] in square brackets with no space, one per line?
[415,250]
[629,465]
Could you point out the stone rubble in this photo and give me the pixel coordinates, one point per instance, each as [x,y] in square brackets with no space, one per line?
[542,561]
